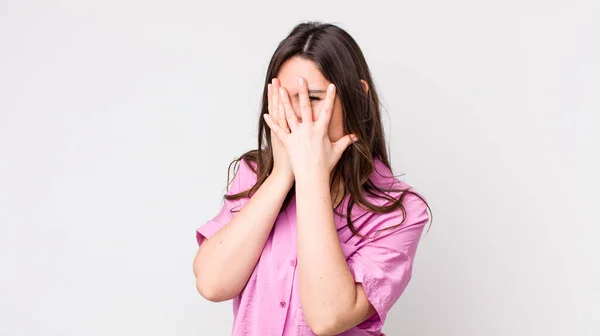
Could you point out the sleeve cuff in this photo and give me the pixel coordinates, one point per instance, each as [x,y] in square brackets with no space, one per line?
[371,290]
[207,230]
[379,289]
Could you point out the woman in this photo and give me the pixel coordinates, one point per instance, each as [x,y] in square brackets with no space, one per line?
[316,235]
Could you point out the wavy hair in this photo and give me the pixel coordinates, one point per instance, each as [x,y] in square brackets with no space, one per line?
[339,58]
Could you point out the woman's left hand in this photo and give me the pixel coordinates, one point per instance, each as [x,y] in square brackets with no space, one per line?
[307,143]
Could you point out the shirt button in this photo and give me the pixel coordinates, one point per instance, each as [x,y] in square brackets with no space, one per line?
[292,263]
[282,304]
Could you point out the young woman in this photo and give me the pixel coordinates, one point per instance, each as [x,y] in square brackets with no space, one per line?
[316,235]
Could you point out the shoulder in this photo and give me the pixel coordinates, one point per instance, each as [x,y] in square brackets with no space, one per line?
[245,176]
[247,168]
[383,177]
[414,210]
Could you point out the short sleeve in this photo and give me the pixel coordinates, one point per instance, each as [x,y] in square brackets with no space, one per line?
[383,264]
[243,180]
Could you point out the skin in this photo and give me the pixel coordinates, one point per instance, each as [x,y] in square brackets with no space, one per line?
[331,301]
[308,140]
[287,77]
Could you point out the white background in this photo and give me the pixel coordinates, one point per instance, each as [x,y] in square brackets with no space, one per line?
[118,120]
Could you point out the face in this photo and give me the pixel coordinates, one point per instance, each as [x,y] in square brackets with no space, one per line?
[317,85]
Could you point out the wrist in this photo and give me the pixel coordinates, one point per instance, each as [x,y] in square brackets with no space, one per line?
[283,181]
[312,177]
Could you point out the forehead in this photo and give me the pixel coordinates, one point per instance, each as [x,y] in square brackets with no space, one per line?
[295,67]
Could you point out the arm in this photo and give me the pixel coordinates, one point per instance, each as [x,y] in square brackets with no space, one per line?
[221,270]
[331,300]
[380,267]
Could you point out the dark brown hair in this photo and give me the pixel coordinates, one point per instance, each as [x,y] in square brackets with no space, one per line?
[340,60]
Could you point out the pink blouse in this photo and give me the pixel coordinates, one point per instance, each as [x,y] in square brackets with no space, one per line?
[269,305]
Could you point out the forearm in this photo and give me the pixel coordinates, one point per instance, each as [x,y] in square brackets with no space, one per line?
[327,288]
[225,261]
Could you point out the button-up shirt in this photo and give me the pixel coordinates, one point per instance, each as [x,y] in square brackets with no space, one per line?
[269,304]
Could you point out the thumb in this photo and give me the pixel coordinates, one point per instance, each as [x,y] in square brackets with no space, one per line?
[343,143]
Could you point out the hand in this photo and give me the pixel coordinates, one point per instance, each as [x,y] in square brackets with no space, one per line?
[281,161]
[307,143]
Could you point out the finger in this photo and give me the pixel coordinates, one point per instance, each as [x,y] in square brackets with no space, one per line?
[290,123]
[327,110]
[290,118]
[273,107]
[279,132]
[290,115]
[305,108]
[281,120]
[343,143]
[275,99]
[281,117]
[269,98]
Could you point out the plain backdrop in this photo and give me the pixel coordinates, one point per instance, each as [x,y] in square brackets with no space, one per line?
[118,120]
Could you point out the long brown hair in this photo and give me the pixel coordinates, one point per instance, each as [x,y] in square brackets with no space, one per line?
[340,60]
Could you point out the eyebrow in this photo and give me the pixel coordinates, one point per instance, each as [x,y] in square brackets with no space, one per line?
[309,92]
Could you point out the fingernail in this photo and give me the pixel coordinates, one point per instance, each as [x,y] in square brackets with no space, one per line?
[300,81]
[354,138]
[330,88]
[281,91]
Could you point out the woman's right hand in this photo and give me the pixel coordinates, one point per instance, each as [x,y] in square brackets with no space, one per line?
[281,161]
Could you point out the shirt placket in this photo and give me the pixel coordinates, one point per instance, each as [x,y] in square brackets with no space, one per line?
[287,269]
[285,290]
